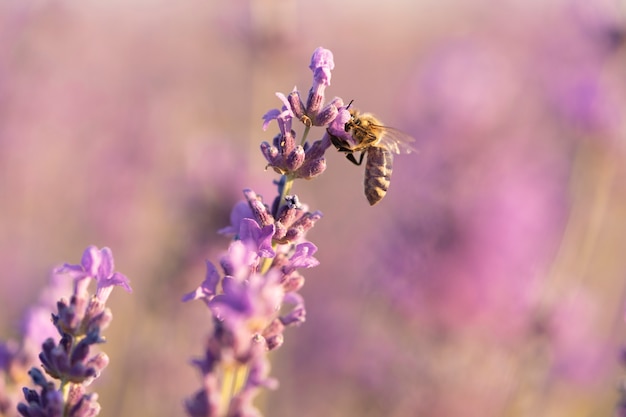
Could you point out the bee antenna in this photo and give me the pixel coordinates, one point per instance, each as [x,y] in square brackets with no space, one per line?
[349,104]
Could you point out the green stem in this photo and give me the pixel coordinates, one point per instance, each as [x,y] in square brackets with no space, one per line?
[307,127]
[227,388]
[65,393]
[266,263]
[233,380]
[286,190]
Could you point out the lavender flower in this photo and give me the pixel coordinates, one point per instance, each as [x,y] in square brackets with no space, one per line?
[259,280]
[255,296]
[17,357]
[79,322]
[303,160]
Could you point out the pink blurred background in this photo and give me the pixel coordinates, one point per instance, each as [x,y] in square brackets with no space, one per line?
[489,281]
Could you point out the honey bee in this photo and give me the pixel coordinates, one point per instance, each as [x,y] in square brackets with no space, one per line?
[379,143]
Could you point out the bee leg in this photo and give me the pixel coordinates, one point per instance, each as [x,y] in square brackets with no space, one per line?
[340,144]
[352,159]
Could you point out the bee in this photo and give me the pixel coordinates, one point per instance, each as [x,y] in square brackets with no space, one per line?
[379,143]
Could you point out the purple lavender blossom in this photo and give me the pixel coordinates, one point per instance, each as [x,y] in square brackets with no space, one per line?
[248,320]
[99,265]
[259,275]
[79,322]
[16,358]
[283,154]
[249,295]
[256,297]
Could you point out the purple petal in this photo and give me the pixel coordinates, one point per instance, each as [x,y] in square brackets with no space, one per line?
[239,260]
[249,230]
[338,126]
[303,256]
[119,279]
[105,276]
[240,211]
[269,116]
[322,76]
[211,278]
[286,103]
[297,314]
[105,285]
[197,294]
[106,266]
[208,288]
[322,58]
[234,303]
[230,285]
[74,271]
[264,242]
[251,233]
[284,122]
[91,260]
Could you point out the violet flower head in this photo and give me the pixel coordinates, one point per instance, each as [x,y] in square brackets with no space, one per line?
[83,313]
[254,297]
[79,323]
[97,264]
[249,315]
[17,357]
[302,160]
[259,269]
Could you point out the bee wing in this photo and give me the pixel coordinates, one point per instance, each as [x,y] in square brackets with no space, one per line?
[397,141]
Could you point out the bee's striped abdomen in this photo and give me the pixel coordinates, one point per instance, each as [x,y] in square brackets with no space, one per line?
[377,173]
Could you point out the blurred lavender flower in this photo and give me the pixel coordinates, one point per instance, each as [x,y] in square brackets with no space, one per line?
[13,365]
[16,358]
[79,322]
[256,295]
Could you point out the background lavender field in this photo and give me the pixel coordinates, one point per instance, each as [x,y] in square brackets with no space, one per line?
[489,282]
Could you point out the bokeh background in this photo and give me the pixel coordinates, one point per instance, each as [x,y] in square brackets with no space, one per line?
[489,282]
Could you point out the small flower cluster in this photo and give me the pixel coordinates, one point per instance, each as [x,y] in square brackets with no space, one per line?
[303,161]
[17,357]
[79,322]
[255,296]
